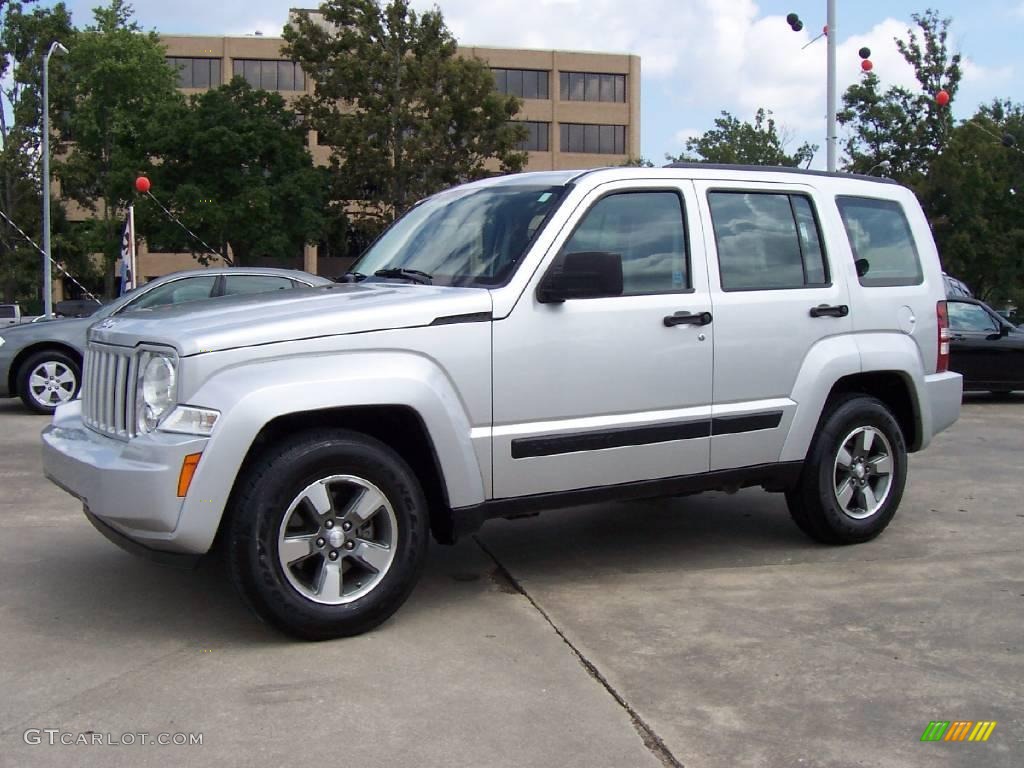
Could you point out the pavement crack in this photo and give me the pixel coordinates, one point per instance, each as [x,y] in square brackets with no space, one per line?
[508,583]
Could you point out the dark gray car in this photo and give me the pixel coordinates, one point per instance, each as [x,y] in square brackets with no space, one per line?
[42,362]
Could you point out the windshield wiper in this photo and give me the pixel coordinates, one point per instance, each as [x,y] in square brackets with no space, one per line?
[414,275]
[351,277]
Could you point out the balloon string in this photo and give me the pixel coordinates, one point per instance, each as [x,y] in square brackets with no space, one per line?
[210,251]
[53,261]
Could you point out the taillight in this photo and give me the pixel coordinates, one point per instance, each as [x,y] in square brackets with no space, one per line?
[942,359]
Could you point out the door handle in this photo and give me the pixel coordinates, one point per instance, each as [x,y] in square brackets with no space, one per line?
[824,310]
[688,318]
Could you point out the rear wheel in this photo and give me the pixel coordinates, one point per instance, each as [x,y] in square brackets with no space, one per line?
[328,534]
[853,479]
[47,379]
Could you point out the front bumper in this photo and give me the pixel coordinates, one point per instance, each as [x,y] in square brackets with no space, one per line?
[130,487]
[6,358]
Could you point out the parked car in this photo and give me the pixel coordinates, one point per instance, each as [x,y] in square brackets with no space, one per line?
[10,314]
[984,347]
[956,289]
[42,362]
[76,307]
[520,343]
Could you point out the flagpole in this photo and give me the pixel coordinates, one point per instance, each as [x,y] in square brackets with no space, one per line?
[132,246]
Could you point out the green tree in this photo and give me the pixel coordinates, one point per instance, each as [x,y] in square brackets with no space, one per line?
[973,196]
[902,128]
[405,116]
[121,85]
[237,172]
[24,36]
[734,141]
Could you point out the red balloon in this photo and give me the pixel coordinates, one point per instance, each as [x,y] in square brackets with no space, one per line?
[866,65]
[942,97]
[824,30]
[142,184]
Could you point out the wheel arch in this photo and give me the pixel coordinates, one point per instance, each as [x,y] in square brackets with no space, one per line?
[400,427]
[27,352]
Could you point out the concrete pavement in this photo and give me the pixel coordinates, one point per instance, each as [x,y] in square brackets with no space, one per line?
[704,631]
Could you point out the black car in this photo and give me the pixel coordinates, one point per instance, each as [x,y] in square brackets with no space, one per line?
[986,349]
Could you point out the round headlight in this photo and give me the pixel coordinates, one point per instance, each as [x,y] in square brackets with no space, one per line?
[158,379]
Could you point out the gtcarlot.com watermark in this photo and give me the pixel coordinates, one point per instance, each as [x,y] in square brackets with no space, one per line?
[56,737]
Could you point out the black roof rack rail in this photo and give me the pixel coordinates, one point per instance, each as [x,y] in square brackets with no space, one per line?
[778,169]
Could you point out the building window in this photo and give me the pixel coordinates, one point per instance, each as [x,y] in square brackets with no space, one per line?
[524,83]
[195,73]
[593,139]
[592,86]
[270,74]
[537,140]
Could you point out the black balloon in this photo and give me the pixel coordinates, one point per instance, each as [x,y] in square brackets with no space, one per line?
[792,19]
[864,52]
[798,26]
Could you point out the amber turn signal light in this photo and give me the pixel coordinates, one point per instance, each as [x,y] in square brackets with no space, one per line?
[188,469]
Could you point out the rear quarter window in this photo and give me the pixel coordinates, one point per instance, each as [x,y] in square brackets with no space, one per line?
[880,234]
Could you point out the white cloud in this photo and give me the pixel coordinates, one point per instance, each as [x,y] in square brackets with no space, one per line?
[704,53]
[976,73]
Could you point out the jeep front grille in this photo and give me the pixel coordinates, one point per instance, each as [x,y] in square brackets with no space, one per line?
[108,396]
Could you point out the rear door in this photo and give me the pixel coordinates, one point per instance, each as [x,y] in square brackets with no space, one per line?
[774,297]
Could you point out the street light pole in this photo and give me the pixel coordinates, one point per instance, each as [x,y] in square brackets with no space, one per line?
[59,49]
[831,38]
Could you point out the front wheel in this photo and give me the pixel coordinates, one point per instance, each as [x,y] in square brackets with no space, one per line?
[854,474]
[327,534]
[48,379]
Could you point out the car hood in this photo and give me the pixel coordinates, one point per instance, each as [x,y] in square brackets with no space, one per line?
[70,330]
[241,321]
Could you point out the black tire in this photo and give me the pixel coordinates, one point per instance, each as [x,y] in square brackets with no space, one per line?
[64,365]
[257,513]
[814,503]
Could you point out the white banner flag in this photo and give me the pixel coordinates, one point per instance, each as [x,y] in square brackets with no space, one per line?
[129,278]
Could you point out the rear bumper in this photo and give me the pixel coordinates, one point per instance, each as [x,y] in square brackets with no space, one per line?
[943,393]
[130,488]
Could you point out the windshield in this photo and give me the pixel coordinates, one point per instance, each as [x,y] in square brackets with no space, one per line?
[467,237]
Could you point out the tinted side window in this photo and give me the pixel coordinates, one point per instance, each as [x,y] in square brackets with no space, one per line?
[970,317]
[234,284]
[6,311]
[647,229]
[880,234]
[766,241]
[176,292]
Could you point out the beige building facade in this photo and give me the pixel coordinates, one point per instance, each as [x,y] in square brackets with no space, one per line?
[581,110]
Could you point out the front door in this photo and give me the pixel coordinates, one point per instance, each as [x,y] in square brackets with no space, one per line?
[597,392]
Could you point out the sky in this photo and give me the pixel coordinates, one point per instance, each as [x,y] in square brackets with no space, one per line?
[699,57]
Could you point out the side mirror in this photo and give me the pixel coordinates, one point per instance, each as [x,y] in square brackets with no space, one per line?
[862,266]
[584,275]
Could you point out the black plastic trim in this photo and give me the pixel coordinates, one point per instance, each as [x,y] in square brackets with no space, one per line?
[529,447]
[620,437]
[732,425]
[780,169]
[774,477]
[470,317]
[173,559]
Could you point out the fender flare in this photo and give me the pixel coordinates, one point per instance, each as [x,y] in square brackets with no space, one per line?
[280,387]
